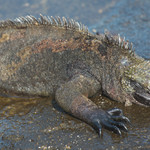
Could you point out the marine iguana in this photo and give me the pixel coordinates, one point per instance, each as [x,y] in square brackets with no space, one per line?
[62,59]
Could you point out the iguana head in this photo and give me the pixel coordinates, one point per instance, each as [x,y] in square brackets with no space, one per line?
[126,76]
[136,80]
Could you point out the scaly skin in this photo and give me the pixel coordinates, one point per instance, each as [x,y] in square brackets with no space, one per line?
[61,59]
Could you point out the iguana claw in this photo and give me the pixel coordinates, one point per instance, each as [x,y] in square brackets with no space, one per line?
[111,120]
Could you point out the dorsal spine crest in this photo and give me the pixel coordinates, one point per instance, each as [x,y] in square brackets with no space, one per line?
[44,20]
[118,41]
[28,21]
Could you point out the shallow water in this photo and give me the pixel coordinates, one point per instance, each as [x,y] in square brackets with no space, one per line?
[41,123]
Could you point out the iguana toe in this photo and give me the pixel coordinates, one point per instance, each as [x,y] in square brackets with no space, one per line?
[111,120]
[121,118]
[115,112]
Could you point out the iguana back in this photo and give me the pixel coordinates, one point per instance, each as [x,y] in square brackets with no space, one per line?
[37,55]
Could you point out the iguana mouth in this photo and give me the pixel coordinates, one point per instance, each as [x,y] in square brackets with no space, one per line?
[143,98]
[141,95]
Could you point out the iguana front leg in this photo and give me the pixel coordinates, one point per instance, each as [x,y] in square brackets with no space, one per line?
[73,98]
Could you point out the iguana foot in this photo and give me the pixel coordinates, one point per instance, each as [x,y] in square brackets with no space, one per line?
[112,120]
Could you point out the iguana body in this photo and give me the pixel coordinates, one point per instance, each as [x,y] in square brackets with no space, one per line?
[61,59]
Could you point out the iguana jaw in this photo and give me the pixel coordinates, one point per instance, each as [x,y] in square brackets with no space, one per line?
[142,97]
[140,93]
[137,93]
